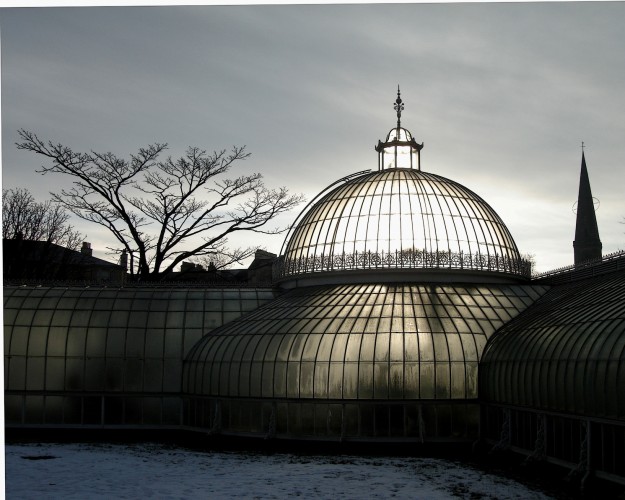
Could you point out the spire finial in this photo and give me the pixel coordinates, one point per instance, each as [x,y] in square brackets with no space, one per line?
[583,146]
[399,107]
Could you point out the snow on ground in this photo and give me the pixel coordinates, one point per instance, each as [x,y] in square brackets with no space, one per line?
[99,471]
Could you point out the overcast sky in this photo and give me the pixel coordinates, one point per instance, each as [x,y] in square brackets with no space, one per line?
[502,95]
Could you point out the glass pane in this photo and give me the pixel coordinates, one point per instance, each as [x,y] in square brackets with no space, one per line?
[153,375]
[426,380]
[74,374]
[76,340]
[119,319]
[256,379]
[156,319]
[37,341]
[443,384]
[115,342]
[94,374]
[367,350]
[173,343]
[138,319]
[350,380]
[133,375]
[154,344]
[80,318]
[365,381]
[96,342]
[244,380]
[114,375]
[382,347]
[280,373]
[411,387]
[456,351]
[311,346]
[352,352]
[55,374]
[306,379]
[61,318]
[16,380]
[458,388]
[42,318]
[321,380]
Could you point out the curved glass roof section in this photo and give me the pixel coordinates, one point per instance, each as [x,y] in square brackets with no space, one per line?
[566,354]
[356,342]
[62,344]
[400,218]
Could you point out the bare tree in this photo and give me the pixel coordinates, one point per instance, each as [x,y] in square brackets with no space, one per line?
[157,209]
[24,217]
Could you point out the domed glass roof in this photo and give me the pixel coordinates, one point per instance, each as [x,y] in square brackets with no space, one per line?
[383,336]
[399,218]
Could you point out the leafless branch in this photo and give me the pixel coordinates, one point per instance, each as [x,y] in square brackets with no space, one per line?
[156,210]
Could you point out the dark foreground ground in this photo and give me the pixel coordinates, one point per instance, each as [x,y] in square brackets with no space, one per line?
[498,474]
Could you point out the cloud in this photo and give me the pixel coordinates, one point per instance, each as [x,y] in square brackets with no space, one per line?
[501,94]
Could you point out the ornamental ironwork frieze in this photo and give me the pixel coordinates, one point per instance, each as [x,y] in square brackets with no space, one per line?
[407,259]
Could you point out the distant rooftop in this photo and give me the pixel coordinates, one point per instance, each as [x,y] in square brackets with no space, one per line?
[607,264]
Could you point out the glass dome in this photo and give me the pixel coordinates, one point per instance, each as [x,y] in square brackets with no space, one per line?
[396,280]
[399,219]
[324,359]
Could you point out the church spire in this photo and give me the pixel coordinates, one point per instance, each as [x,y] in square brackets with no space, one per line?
[587,245]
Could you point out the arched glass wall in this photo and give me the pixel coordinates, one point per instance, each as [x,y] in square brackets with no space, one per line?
[567,355]
[552,381]
[400,218]
[396,344]
[106,355]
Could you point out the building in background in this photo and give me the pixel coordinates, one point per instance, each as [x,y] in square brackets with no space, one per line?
[43,261]
[587,245]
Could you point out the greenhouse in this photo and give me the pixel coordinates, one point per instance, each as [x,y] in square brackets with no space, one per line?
[401,311]
[396,280]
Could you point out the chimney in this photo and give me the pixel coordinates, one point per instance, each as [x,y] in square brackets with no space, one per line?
[86,249]
[123,260]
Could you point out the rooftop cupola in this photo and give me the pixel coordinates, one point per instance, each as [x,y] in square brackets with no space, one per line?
[400,150]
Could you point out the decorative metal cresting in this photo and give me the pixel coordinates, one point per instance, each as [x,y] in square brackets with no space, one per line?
[408,259]
[400,150]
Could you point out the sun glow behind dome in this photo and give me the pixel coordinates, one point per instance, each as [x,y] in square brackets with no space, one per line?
[400,218]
